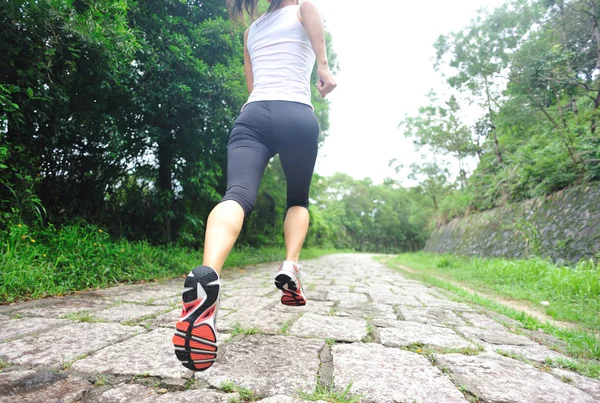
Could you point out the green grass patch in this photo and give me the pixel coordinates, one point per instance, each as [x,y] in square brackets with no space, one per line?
[239,329]
[81,316]
[330,395]
[244,394]
[4,364]
[51,262]
[581,344]
[572,293]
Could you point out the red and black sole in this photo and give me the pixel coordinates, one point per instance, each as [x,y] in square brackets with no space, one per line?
[196,345]
[291,296]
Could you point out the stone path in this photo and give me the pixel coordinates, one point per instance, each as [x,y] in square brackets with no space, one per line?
[391,339]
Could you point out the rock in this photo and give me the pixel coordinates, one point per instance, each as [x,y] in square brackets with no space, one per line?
[31,386]
[132,393]
[330,327]
[268,365]
[407,333]
[482,321]
[437,316]
[149,353]
[240,301]
[498,337]
[347,299]
[589,386]
[129,312]
[17,328]
[494,378]
[265,321]
[312,306]
[387,375]
[65,344]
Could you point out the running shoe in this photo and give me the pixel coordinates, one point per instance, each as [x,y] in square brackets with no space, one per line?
[288,281]
[195,338]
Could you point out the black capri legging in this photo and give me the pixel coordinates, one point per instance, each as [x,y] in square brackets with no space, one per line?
[262,130]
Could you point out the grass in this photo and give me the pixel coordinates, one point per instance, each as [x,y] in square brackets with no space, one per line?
[244,394]
[582,344]
[330,395]
[572,293]
[239,329]
[81,316]
[4,364]
[52,262]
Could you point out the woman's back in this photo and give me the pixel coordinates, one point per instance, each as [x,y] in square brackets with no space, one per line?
[282,57]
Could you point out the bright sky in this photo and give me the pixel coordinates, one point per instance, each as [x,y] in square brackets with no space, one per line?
[385,50]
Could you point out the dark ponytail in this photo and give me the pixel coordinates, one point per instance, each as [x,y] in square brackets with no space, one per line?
[239,6]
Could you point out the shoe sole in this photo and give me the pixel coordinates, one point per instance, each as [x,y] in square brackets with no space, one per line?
[291,296]
[196,344]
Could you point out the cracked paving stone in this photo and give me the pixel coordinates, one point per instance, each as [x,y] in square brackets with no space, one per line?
[133,393]
[330,327]
[371,310]
[58,308]
[348,299]
[534,352]
[62,345]
[589,386]
[482,321]
[407,333]
[285,399]
[258,362]
[149,353]
[31,386]
[249,292]
[388,375]
[312,306]
[267,322]
[151,295]
[16,328]
[125,312]
[498,337]
[494,378]
[394,299]
[431,315]
[236,302]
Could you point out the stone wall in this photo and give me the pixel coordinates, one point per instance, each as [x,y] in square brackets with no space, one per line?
[564,226]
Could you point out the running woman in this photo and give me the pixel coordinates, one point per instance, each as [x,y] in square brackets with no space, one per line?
[280,49]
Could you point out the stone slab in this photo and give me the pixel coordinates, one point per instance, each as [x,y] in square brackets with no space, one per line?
[149,353]
[534,352]
[394,299]
[499,379]
[16,328]
[407,333]
[286,399]
[249,292]
[348,299]
[31,386]
[129,312]
[239,301]
[267,322]
[587,385]
[139,293]
[330,327]
[497,337]
[134,393]
[481,321]
[312,306]
[62,345]
[168,319]
[431,315]
[371,310]
[60,307]
[268,365]
[387,375]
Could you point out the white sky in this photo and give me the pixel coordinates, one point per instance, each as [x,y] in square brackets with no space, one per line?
[385,50]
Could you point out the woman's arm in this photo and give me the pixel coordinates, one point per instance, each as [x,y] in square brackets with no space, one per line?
[311,19]
[248,65]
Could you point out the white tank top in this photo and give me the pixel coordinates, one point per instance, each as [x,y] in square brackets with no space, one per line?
[282,57]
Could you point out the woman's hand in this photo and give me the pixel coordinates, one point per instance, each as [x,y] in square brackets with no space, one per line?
[326,81]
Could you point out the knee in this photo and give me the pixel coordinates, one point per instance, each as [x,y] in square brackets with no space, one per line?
[240,196]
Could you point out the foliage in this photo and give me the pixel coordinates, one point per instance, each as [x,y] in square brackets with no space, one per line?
[573,293]
[529,69]
[580,343]
[38,263]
